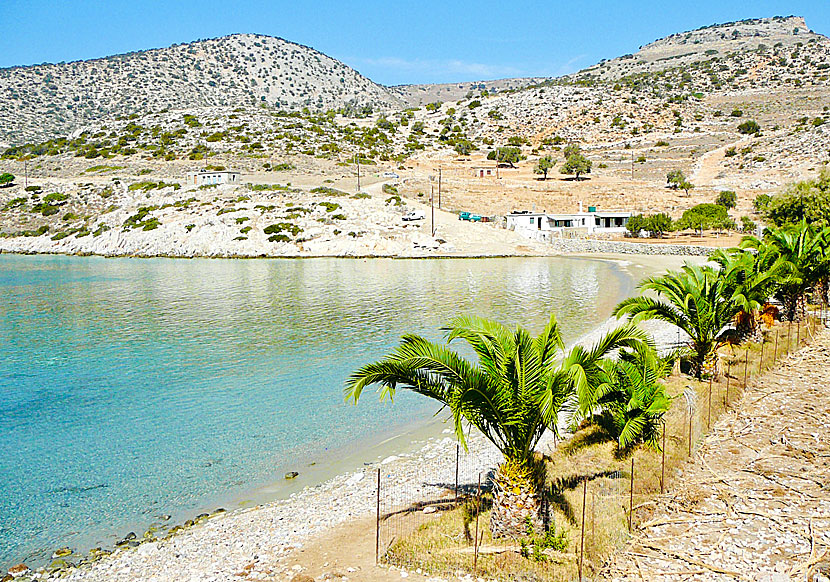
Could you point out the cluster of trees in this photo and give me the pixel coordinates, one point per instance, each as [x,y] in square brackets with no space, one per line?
[575,163]
[522,386]
[701,217]
[807,200]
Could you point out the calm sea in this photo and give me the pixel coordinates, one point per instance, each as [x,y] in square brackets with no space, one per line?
[135,388]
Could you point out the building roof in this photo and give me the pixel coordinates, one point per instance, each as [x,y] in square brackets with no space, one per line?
[203,171]
[567,215]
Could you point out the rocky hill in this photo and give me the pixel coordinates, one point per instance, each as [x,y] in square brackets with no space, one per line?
[49,100]
[704,44]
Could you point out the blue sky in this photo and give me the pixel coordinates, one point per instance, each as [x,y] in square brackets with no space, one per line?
[429,41]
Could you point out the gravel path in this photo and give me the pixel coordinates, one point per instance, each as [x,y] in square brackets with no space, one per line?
[754,503]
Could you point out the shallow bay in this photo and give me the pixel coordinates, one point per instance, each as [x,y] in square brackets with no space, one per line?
[135,388]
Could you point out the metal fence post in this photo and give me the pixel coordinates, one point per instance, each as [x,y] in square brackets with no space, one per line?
[631,497]
[377,525]
[663,467]
[457,457]
[478,511]
[582,535]
[746,364]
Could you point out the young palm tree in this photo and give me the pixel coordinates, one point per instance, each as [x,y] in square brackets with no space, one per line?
[696,300]
[628,405]
[803,248]
[518,389]
[751,278]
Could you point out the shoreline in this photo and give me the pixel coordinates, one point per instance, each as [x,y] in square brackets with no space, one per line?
[423,439]
[575,247]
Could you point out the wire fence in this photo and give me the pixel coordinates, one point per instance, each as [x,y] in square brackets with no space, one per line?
[435,517]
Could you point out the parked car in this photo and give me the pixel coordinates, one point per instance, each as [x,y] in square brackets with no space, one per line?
[390,175]
[469,216]
[413,215]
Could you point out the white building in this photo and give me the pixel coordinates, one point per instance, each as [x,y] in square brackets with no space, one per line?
[485,172]
[544,227]
[207,177]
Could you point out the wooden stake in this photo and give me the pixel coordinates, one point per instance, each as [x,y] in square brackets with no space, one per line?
[790,337]
[761,359]
[775,353]
[689,410]
[728,372]
[709,417]
[798,334]
[746,365]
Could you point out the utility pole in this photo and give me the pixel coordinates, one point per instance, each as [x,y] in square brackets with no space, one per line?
[632,165]
[439,188]
[432,207]
[357,161]
[26,170]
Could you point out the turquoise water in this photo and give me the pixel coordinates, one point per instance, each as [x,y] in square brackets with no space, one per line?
[134,388]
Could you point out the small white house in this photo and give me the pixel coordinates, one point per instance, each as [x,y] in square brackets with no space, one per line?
[544,227]
[485,172]
[208,177]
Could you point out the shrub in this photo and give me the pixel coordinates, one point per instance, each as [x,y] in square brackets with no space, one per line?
[56,197]
[14,203]
[329,206]
[141,219]
[749,127]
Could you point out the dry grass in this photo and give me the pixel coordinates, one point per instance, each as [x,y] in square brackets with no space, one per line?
[438,542]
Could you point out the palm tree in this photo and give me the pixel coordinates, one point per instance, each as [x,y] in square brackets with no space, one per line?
[628,405]
[513,394]
[751,278]
[696,300]
[802,247]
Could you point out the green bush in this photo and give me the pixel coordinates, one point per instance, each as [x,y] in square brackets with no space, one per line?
[749,127]
[142,219]
[14,203]
[56,197]
[329,206]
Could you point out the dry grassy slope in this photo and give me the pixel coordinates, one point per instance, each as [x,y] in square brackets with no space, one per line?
[54,99]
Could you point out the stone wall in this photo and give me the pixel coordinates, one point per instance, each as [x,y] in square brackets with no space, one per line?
[626,248]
